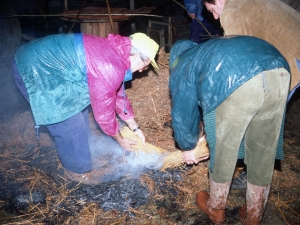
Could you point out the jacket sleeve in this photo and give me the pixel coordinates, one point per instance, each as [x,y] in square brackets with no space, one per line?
[106,66]
[103,95]
[123,107]
[191,6]
[185,110]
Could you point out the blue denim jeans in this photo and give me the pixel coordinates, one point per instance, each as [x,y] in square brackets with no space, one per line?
[70,136]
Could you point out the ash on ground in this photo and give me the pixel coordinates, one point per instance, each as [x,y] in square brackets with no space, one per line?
[33,176]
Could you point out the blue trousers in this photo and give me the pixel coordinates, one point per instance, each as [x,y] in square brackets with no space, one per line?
[197,32]
[70,136]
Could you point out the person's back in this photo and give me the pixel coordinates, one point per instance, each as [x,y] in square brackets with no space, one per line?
[223,64]
[272,20]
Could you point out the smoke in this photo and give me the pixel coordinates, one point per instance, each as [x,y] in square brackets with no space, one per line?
[113,162]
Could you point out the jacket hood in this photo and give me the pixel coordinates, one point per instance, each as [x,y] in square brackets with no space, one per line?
[179,48]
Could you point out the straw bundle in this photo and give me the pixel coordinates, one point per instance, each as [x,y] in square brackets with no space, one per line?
[149,148]
[170,159]
[174,159]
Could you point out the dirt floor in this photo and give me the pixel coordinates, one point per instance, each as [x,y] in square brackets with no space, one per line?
[33,191]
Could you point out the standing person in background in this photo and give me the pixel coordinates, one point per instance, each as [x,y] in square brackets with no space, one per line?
[198,34]
[272,21]
[60,75]
[241,84]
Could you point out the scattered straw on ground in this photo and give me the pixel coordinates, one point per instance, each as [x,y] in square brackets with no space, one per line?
[149,95]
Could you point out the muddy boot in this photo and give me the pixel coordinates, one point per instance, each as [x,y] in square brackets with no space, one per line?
[213,204]
[256,199]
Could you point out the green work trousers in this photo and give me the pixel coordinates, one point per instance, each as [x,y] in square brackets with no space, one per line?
[254,112]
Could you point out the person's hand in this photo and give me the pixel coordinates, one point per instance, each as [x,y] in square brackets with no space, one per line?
[141,135]
[133,125]
[189,157]
[192,15]
[127,144]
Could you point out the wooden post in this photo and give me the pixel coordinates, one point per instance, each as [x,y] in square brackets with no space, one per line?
[66,5]
[133,28]
[99,29]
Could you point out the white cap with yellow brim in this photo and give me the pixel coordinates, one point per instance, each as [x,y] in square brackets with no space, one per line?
[145,45]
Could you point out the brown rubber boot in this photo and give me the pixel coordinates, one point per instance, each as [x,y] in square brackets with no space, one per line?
[256,200]
[214,203]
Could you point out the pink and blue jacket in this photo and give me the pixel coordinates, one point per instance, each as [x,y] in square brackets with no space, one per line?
[65,73]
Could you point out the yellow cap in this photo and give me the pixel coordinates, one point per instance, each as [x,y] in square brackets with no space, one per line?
[145,45]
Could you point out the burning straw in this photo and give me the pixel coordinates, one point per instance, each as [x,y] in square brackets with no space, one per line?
[170,159]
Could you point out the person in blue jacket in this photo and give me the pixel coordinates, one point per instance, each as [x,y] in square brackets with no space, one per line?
[197,13]
[241,84]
